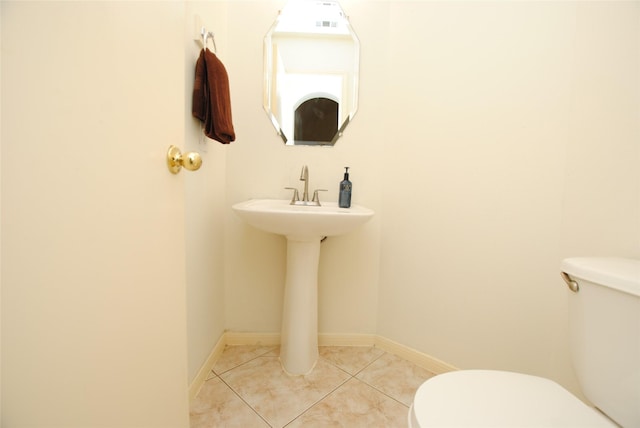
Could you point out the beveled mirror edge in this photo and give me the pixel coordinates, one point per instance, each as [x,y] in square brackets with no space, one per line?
[268,84]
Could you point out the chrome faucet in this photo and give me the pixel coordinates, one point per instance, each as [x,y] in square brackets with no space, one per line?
[295,200]
[304,176]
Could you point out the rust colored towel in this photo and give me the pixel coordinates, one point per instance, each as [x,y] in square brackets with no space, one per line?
[211,100]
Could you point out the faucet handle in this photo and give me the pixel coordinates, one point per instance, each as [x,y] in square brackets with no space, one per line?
[295,197]
[316,198]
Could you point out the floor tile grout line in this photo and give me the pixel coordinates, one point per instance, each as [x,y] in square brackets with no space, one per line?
[354,378]
[370,363]
[244,362]
[212,375]
[319,400]
[270,350]
[373,386]
[245,402]
[382,392]
[350,377]
[337,366]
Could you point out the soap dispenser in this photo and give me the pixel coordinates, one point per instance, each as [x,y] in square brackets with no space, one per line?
[344,200]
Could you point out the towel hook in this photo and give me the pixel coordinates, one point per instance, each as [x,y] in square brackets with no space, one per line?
[205,36]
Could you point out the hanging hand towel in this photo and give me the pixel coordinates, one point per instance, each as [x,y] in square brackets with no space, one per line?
[211,100]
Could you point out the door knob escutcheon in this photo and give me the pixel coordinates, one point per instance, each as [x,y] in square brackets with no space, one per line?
[176,160]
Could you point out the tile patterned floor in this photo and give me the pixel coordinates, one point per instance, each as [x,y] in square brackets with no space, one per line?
[349,387]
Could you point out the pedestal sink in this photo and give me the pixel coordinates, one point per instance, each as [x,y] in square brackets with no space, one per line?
[304,228]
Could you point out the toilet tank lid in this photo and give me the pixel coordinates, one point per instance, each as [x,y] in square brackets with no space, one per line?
[617,273]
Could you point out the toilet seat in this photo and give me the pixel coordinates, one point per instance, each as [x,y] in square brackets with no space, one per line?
[489,398]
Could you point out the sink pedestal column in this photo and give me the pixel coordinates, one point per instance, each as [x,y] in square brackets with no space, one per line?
[299,338]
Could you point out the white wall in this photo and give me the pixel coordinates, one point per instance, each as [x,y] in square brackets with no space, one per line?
[523,150]
[601,212]
[489,137]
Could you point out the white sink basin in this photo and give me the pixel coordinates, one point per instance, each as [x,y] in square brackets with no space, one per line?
[304,227]
[301,222]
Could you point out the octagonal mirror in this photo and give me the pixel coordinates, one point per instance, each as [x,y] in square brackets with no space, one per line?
[311,64]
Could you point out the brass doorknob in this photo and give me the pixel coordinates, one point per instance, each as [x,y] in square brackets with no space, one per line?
[176,160]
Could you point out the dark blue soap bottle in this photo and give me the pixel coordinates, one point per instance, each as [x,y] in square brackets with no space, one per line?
[344,200]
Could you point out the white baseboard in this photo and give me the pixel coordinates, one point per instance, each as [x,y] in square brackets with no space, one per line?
[425,361]
[231,338]
[206,368]
[337,339]
[258,339]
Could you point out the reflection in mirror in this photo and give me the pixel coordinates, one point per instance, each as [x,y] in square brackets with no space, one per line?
[311,62]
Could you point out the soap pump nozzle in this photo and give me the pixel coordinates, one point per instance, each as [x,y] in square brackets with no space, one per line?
[346,172]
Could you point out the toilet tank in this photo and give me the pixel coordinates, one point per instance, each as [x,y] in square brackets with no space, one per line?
[604,331]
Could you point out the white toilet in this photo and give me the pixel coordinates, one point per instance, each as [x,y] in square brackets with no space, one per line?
[604,329]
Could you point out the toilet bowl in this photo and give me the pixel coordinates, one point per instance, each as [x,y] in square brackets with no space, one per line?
[490,398]
[604,332]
